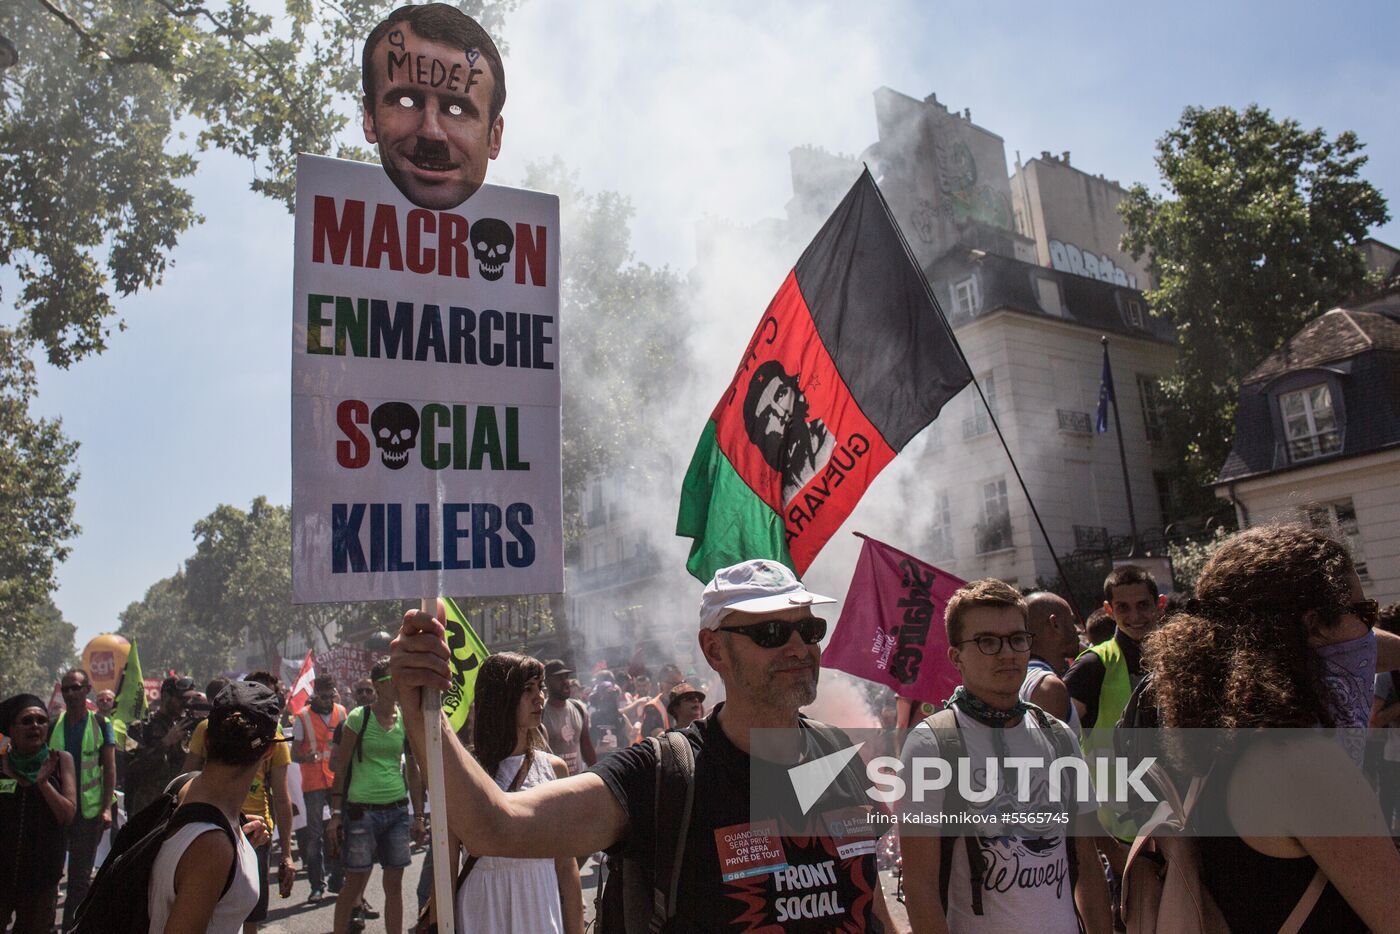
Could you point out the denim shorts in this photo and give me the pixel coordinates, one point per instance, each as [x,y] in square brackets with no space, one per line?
[377,837]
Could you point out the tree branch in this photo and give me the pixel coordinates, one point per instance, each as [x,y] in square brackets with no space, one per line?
[77,28]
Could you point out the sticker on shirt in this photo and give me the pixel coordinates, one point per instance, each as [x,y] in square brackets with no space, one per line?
[749,850]
[7,786]
[851,829]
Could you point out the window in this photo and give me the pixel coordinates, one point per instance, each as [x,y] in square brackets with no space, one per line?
[965,298]
[1309,422]
[980,421]
[1339,520]
[1132,311]
[600,555]
[621,548]
[994,531]
[1150,393]
[941,531]
[1048,292]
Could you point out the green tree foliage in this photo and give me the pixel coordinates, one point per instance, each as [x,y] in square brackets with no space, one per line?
[1255,232]
[622,326]
[237,588]
[94,151]
[35,663]
[38,476]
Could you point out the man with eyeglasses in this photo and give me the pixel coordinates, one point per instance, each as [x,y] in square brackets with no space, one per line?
[88,738]
[997,874]
[758,632]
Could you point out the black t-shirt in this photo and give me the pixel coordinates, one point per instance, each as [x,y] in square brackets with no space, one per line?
[1084,680]
[779,882]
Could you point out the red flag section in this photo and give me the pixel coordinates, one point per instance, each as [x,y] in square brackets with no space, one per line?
[891,628]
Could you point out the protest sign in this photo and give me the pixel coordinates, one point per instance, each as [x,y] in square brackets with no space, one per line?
[425,391]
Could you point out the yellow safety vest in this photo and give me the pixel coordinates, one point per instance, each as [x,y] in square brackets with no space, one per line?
[90,768]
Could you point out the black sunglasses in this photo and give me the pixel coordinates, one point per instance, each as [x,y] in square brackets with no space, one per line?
[33,721]
[73,688]
[774,633]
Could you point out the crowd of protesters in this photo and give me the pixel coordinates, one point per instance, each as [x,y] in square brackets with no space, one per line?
[551,770]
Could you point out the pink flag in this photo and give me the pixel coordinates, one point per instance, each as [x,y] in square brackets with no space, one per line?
[891,627]
[301,691]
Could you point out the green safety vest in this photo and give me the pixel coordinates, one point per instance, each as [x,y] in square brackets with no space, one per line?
[90,768]
[1098,741]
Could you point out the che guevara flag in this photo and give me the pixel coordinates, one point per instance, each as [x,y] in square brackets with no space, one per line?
[850,361]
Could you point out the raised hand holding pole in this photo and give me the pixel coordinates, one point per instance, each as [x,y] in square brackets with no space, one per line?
[443,896]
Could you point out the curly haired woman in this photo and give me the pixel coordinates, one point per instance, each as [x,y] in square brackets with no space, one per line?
[1279,636]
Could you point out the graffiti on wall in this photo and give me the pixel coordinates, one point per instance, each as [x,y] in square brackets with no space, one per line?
[967,200]
[1067,257]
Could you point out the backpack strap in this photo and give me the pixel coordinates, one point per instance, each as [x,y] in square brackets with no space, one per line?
[675,798]
[944,724]
[1294,922]
[197,812]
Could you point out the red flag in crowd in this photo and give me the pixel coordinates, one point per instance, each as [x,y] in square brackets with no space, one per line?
[301,691]
[891,627]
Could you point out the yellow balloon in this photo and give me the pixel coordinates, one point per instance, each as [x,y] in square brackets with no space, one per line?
[104,658]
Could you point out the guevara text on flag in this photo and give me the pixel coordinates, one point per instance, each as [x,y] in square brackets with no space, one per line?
[468,652]
[850,361]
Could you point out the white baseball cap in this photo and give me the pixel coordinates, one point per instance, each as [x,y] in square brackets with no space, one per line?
[756,586]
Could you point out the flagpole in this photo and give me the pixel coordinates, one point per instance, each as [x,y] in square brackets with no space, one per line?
[443,896]
[943,319]
[1122,455]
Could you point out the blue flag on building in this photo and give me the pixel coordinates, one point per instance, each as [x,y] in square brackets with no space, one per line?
[1105,395]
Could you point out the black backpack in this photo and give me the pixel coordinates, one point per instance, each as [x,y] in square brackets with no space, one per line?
[631,904]
[117,901]
[945,727]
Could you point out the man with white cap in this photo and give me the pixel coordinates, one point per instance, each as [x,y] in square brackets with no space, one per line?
[731,870]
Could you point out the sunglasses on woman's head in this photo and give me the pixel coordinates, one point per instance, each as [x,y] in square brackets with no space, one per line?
[775,633]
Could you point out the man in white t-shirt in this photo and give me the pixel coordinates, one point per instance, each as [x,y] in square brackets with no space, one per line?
[1004,874]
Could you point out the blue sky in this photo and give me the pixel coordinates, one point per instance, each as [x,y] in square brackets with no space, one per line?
[690,109]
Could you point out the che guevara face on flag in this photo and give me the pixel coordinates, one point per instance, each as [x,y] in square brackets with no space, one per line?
[778,419]
[434,87]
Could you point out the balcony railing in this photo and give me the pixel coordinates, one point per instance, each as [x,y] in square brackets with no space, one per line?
[975,425]
[994,534]
[1077,422]
[1090,536]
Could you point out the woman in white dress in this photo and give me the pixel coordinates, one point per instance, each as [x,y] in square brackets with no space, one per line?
[502,895]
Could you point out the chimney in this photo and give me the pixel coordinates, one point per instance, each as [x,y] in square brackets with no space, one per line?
[967,114]
[1065,156]
[1045,154]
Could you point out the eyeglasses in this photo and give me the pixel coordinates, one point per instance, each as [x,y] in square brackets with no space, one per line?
[1368,611]
[991,645]
[74,688]
[33,721]
[775,633]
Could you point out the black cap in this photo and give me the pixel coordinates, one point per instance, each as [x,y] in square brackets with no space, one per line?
[257,701]
[175,684]
[556,666]
[12,707]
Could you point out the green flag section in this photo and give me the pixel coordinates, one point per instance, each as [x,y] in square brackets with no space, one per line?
[850,361]
[724,516]
[131,690]
[468,652]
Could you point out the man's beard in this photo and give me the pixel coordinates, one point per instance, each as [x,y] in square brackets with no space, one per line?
[322,706]
[765,688]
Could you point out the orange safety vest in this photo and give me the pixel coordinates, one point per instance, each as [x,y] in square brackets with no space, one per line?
[317,736]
